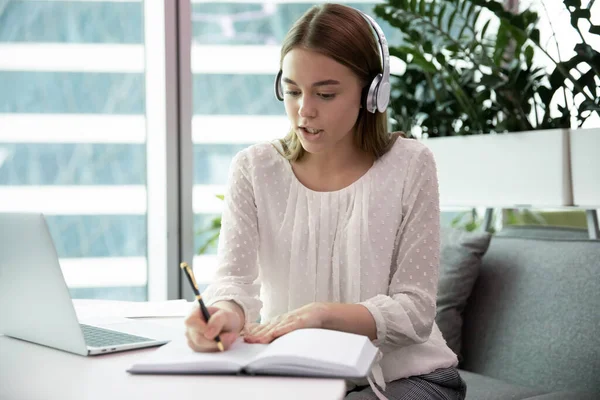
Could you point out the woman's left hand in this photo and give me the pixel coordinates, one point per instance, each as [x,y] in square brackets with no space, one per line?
[310,316]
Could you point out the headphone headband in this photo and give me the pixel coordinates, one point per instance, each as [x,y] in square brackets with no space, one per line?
[378,95]
[383,45]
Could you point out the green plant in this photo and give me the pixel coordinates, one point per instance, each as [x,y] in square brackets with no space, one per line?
[472,220]
[562,218]
[468,221]
[470,69]
[213,229]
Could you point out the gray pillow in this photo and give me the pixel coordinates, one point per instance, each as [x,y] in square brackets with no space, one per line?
[461,254]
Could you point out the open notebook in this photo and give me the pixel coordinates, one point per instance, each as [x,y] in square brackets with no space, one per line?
[304,352]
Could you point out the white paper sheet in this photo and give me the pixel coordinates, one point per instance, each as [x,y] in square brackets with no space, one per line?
[92,308]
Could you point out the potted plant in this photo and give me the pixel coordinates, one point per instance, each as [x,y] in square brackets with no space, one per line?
[470,75]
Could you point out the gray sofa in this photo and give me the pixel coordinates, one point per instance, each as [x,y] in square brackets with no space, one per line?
[531,326]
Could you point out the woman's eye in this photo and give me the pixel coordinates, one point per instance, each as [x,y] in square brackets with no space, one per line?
[324,96]
[327,96]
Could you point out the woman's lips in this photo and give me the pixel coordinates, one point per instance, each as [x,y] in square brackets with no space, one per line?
[310,136]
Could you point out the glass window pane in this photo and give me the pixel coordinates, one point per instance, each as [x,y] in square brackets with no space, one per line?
[72,136]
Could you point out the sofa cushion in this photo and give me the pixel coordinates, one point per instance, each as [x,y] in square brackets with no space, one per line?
[481,387]
[533,316]
[566,395]
[461,254]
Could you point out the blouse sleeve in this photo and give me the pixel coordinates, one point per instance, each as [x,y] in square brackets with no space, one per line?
[406,315]
[236,278]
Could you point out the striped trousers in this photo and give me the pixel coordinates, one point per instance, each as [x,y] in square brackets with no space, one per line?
[441,384]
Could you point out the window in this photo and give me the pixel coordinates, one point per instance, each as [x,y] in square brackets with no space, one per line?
[73,136]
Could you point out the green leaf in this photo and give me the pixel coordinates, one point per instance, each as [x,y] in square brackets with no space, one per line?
[431,11]
[518,35]
[588,79]
[469,14]
[501,43]
[441,58]
[454,47]
[491,81]
[535,36]
[485,28]
[215,225]
[546,94]
[396,52]
[428,47]
[422,62]
[589,105]
[456,220]
[413,6]
[209,243]
[586,53]
[451,20]
[595,29]
[572,3]
[465,24]
[401,50]
[577,14]
[422,4]
[471,226]
[442,13]
[529,55]
[220,196]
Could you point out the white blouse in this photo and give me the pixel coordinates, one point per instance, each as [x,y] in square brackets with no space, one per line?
[375,242]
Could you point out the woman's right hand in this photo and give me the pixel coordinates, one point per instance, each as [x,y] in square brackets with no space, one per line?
[223,322]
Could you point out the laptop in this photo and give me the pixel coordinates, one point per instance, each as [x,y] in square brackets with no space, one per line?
[35,303]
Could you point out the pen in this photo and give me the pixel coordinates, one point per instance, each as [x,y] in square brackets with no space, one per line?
[203,310]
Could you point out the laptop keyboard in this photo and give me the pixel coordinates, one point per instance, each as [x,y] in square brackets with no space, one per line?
[98,337]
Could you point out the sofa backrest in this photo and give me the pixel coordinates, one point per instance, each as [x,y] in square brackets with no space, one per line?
[533,317]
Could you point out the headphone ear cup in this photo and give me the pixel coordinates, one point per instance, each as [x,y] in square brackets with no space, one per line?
[383,96]
[371,98]
[278,88]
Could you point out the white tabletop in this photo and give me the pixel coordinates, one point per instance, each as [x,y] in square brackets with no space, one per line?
[30,371]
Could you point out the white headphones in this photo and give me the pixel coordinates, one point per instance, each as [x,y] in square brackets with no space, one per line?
[377,97]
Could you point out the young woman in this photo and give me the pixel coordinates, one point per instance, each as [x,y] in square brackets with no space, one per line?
[335,226]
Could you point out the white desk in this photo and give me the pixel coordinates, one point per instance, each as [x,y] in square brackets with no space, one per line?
[30,371]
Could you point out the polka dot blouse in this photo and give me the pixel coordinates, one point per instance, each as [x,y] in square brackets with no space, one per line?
[375,242]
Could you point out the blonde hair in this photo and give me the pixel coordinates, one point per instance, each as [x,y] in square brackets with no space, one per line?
[343,34]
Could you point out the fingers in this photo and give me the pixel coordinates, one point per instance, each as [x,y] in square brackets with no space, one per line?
[284,329]
[249,329]
[259,334]
[228,339]
[216,324]
[201,335]
[195,320]
[195,317]
[199,343]
[265,333]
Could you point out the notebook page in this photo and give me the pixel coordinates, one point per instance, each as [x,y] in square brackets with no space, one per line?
[178,357]
[317,348]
